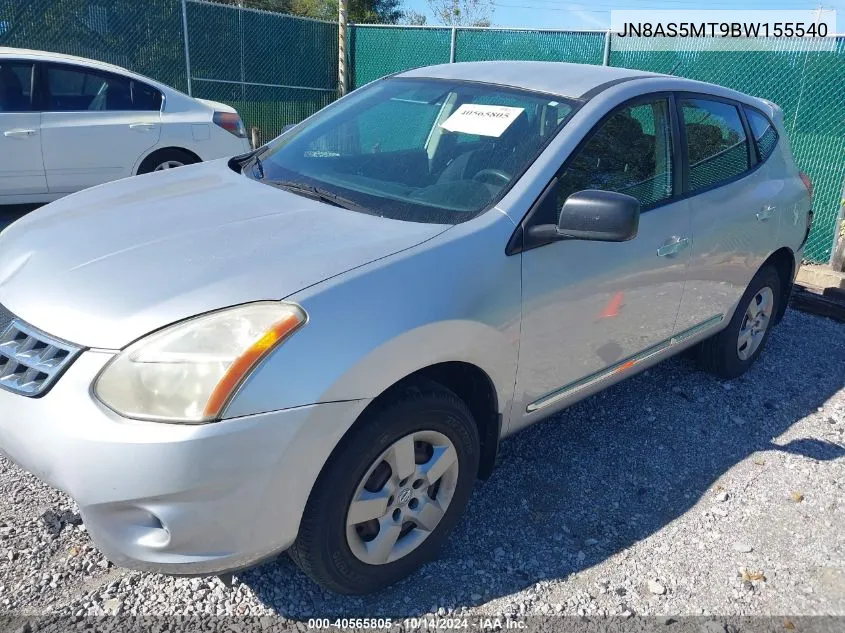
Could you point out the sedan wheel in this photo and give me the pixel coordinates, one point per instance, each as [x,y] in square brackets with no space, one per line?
[392,491]
[402,498]
[168,164]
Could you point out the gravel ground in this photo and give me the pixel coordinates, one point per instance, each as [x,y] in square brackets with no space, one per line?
[671,493]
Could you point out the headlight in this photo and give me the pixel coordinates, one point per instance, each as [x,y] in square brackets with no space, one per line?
[189,372]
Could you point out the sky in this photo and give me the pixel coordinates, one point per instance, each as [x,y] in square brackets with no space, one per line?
[560,14]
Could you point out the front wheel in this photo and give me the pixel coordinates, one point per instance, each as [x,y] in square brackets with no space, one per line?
[388,499]
[732,351]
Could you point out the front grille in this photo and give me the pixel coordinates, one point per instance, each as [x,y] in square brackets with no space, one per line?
[30,360]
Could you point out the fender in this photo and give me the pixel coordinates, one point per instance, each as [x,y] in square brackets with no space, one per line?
[420,307]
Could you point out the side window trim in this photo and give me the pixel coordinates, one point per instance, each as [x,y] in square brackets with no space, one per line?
[753,163]
[753,154]
[38,100]
[517,242]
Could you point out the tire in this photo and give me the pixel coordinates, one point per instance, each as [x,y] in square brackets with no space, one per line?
[335,554]
[173,157]
[722,355]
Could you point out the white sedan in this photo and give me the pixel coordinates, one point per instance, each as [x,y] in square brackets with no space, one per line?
[67,123]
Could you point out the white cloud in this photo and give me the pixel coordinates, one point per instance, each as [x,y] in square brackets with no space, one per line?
[590,18]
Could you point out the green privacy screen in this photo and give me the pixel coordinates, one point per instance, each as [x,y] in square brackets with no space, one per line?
[489,44]
[275,69]
[809,85]
[378,51]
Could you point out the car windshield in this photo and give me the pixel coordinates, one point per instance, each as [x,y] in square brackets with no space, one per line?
[422,150]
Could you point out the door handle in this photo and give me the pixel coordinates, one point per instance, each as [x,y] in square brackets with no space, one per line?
[765,213]
[142,127]
[673,246]
[19,133]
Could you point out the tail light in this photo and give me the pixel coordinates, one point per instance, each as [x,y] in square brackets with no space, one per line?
[231,122]
[807,183]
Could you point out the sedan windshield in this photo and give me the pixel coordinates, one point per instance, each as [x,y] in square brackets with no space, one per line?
[422,150]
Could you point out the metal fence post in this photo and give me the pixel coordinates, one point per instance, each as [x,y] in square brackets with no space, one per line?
[187,46]
[342,79]
[241,29]
[606,58]
[837,254]
[452,45]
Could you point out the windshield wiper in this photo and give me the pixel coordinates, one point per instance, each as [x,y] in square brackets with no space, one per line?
[315,193]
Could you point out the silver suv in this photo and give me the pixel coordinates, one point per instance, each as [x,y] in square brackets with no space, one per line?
[318,347]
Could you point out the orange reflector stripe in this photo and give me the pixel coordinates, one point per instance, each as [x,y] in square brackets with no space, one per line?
[246,362]
[625,366]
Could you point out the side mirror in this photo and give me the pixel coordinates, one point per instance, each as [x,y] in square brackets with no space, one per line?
[603,216]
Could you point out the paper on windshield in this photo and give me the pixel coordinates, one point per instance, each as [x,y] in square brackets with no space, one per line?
[484,120]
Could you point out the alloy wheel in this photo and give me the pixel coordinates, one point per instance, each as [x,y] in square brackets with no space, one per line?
[168,164]
[402,497]
[755,323]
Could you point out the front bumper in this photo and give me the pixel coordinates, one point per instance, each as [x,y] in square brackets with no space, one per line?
[170,498]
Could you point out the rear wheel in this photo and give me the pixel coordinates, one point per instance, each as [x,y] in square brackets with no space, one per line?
[732,351]
[387,501]
[166,159]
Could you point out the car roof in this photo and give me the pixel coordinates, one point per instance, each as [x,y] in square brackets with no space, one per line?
[575,81]
[558,78]
[46,56]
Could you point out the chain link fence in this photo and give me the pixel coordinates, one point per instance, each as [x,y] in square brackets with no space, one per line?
[143,36]
[274,68]
[277,69]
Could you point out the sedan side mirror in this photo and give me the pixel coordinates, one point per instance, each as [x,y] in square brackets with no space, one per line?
[603,216]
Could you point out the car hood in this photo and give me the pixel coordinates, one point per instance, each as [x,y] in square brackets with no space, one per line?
[106,266]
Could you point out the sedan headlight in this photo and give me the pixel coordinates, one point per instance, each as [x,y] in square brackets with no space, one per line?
[190,371]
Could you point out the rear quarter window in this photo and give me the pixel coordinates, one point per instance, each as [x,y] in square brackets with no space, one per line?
[764,132]
[145,97]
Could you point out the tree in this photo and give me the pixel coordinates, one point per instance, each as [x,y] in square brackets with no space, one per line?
[413,18]
[379,11]
[462,12]
[282,6]
[363,11]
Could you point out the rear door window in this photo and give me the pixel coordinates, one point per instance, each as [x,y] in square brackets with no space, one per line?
[764,132]
[16,86]
[716,145]
[76,89]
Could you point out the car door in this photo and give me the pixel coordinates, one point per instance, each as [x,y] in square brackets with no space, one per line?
[732,208]
[592,310]
[95,126]
[21,166]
